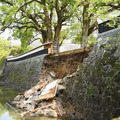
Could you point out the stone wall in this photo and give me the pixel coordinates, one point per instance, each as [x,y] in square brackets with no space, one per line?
[26,73]
[93,93]
[23,74]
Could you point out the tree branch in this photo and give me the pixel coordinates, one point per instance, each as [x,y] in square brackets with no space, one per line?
[34,39]
[56,5]
[92,28]
[117,7]
[25,5]
[5,1]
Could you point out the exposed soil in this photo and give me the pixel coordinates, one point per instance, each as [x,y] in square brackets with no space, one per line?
[61,65]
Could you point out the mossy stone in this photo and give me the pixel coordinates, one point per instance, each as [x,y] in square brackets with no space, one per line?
[107,54]
[99,67]
[101,73]
[86,67]
[104,60]
[97,63]
[88,73]
[112,59]
[111,73]
[100,78]
[94,71]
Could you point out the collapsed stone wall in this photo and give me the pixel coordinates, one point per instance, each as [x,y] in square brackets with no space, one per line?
[57,67]
[93,93]
[26,73]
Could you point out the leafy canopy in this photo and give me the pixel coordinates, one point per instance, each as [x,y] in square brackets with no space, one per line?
[36,19]
[4,50]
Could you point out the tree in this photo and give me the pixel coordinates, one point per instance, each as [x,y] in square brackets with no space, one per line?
[30,18]
[88,13]
[4,50]
[4,47]
[64,34]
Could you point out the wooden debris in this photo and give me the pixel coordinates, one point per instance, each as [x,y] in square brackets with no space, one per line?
[29,112]
[60,112]
[48,93]
[35,88]
[31,98]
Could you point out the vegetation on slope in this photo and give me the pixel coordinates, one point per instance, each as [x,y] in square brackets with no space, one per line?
[4,50]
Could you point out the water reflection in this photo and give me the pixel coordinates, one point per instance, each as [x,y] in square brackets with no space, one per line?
[7,94]
[6,116]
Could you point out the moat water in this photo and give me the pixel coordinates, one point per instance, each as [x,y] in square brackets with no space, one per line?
[8,111]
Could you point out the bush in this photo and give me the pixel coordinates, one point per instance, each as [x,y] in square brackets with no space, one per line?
[4,50]
[2,59]
[15,50]
[18,50]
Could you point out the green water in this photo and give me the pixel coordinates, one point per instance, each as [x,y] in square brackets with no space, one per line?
[7,112]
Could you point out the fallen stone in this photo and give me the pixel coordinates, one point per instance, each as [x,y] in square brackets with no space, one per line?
[27,101]
[72,109]
[52,113]
[40,112]
[44,108]
[32,114]
[45,111]
[60,81]
[78,115]
[52,74]
[71,76]
[54,105]
[18,97]
[61,88]
[65,80]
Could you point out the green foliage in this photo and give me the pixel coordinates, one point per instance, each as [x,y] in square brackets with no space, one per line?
[19,50]
[64,34]
[116,118]
[23,35]
[3,75]
[4,47]
[2,59]
[75,32]
[90,91]
[4,50]
[110,83]
[2,109]
[77,39]
[28,19]
[118,66]
[91,39]
[16,50]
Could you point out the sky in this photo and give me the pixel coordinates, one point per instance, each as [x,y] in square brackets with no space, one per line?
[7,34]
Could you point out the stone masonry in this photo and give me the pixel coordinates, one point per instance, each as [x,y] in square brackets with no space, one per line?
[94,90]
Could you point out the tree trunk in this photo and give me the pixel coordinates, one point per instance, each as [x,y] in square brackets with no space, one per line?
[85,26]
[57,35]
[48,23]
[49,33]
[44,36]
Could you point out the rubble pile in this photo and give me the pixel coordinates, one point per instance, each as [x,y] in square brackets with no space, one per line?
[41,100]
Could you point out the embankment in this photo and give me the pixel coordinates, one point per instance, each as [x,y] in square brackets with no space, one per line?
[93,93]
[24,74]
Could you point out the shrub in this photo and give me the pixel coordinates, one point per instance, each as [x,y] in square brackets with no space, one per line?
[18,50]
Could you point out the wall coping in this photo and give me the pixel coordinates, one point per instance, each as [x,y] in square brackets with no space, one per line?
[37,49]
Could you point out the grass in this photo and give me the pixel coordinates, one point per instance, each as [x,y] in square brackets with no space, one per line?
[2,59]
